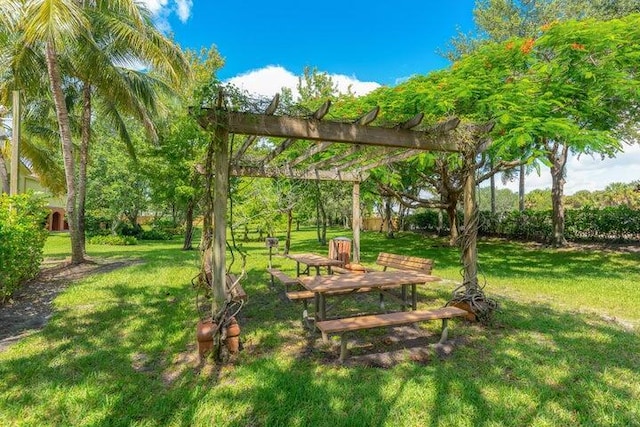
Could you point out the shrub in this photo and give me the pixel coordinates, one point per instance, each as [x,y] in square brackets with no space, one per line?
[167,226]
[96,224]
[154,234]
[22,233]
[114,240]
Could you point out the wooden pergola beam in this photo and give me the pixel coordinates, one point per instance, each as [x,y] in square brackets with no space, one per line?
[390,159]
[335,159]
[377,157]
[287,172]
[319,147]
[318,115]
[363,120]
[271,108]
[291,127]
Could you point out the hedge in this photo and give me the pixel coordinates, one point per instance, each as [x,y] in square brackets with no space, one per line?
[22,233]
[618,223]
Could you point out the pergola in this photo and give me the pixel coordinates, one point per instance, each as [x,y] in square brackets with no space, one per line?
[365,147]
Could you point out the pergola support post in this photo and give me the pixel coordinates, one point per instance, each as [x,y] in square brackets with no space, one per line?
[356,222]
[221,170]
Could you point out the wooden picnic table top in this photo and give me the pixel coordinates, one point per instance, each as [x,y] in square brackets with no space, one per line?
[314,260]
[375,279]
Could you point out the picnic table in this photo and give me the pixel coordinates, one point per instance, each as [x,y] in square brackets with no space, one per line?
[376,281]
[313,260]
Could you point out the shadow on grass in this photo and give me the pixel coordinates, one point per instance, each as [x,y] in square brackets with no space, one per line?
[106,362]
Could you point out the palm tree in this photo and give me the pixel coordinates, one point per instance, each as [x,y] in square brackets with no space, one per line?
[89,43]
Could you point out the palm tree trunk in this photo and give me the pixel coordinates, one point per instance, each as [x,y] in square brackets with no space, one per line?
[55,81]
[84,161]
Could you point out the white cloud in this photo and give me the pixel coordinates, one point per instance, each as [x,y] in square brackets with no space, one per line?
[589,173]
[266,81]
[161,9]
[184,9]
[155,6]
[271,79]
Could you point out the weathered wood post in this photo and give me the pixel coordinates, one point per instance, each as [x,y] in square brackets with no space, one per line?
[221,190]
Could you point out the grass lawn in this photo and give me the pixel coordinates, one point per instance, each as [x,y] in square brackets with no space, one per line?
[564,348]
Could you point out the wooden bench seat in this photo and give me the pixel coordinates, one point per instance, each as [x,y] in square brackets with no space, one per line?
[283,278]
[351,324]
[404,262]
[299,295]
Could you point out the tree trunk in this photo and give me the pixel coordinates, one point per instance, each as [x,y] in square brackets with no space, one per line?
[4,175]
[453,223]
[188,226]
[287,242]
[84,161]
[521,188]
[558,157]
[470,235]
[323,215]
[206,241]
[388,218]
[492,182]
[55,81]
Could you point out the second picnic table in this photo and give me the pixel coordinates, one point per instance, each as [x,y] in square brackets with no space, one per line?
[313,260]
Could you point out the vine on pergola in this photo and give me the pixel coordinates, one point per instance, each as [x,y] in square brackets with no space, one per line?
[367,147]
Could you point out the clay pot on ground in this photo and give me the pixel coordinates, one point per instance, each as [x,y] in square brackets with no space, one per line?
[233,336]
[471,316]
[204,335]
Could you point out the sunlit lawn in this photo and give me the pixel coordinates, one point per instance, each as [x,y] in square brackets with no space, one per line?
[564,348]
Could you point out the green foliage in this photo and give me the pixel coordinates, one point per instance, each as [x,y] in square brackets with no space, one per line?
[23,235]
[427,220]
[154,234]
[619,223]
[506,200]
[117,186]
[113,240]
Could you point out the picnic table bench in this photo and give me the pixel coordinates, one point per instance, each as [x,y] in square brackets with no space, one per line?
[350,324]
[282,277]
[388,260]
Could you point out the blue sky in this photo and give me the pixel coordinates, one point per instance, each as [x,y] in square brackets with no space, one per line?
[362,45]
[372,41]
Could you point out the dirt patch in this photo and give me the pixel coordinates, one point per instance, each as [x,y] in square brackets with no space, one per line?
[397,345]
[29,308]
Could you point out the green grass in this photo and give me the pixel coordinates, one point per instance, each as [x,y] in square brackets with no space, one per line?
[112,353]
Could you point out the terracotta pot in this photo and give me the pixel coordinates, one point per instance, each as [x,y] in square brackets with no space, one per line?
[471,316]
[204,347]
[205,330]
[233,344]
[233,329]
